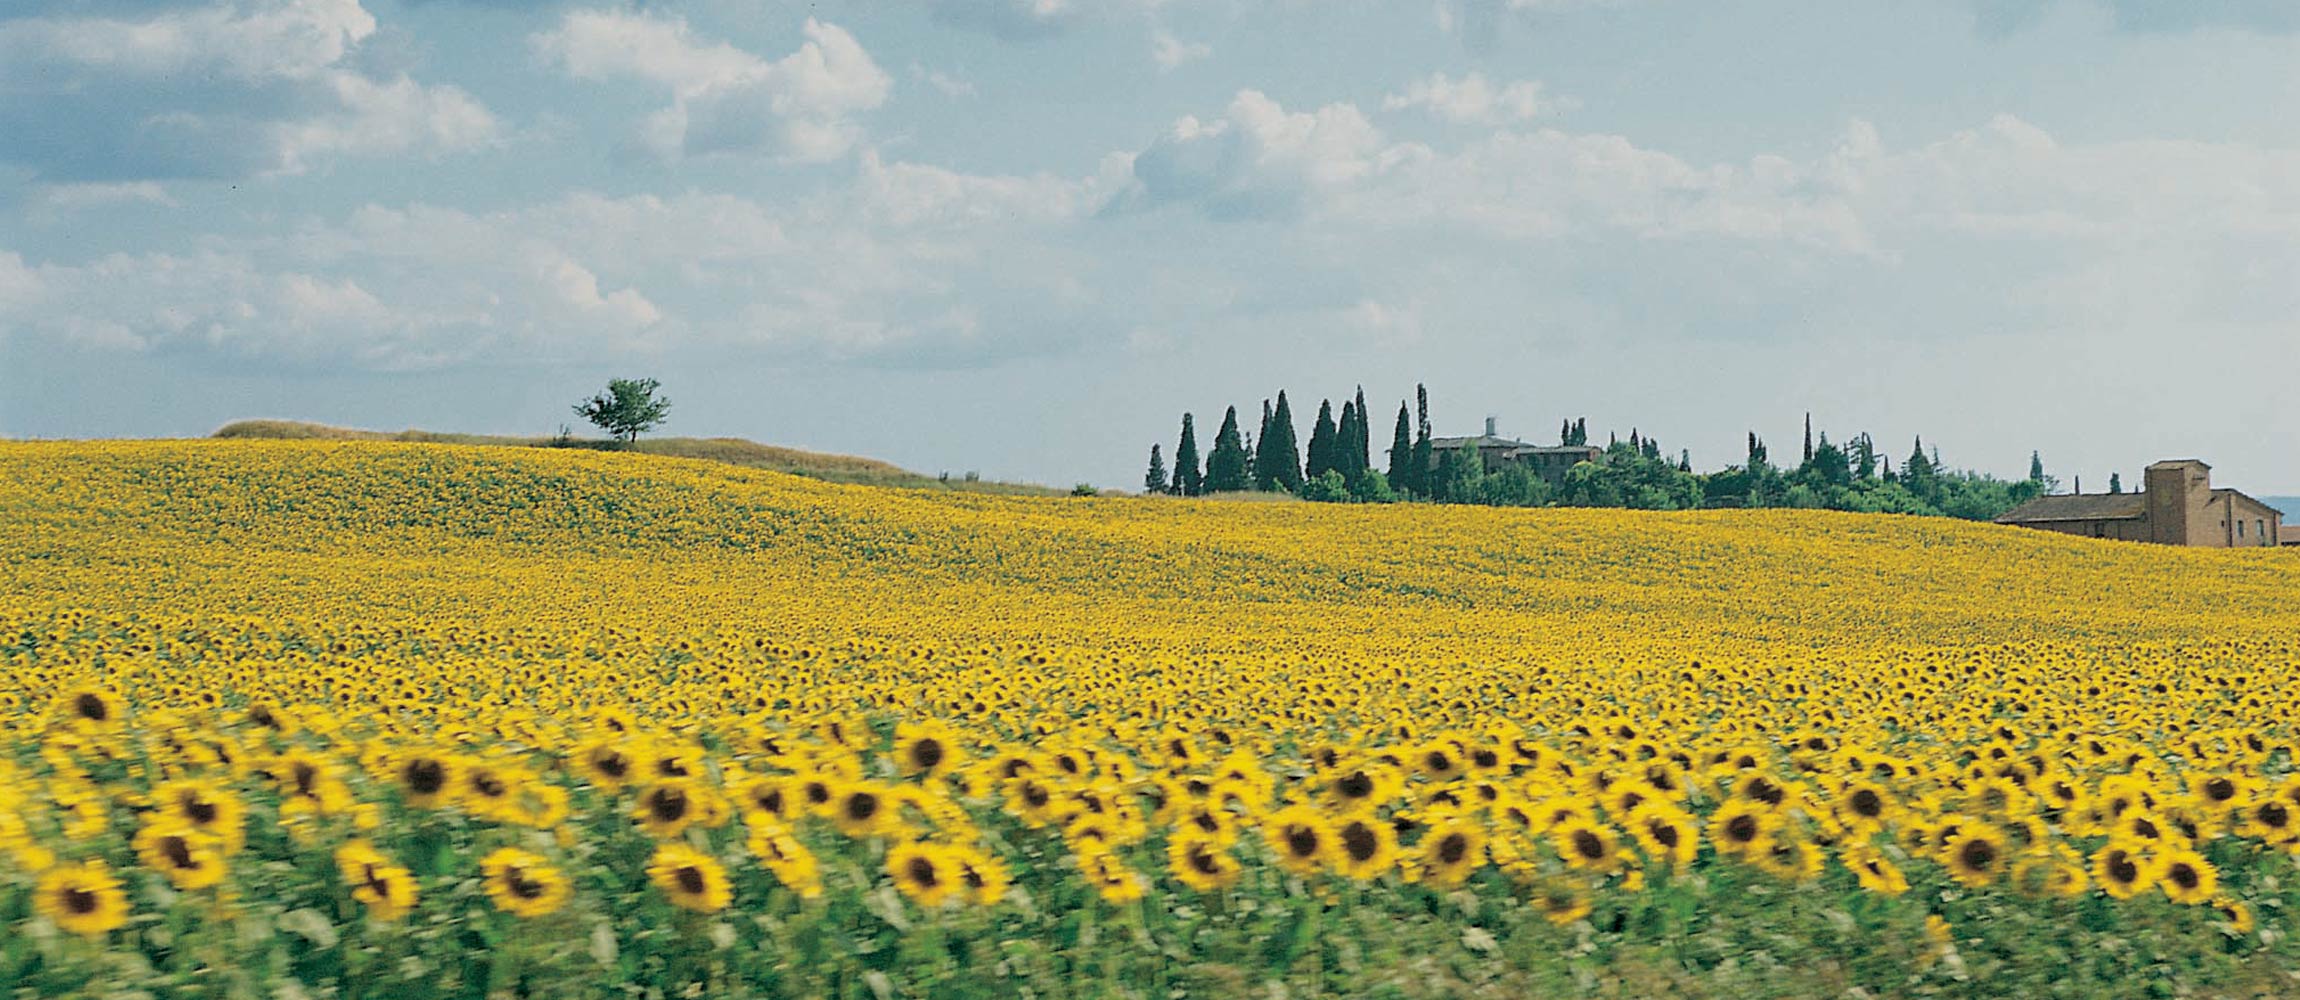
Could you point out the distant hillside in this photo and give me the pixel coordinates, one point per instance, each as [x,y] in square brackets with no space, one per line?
[732,451]
[2289,505]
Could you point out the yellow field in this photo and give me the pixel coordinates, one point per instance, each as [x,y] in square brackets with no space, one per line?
[490,720]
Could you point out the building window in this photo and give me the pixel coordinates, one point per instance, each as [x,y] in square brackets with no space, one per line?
[2240,527]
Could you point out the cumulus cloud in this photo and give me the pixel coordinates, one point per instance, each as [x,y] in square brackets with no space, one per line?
[232,88]
[1013,20]
[1170,52]
[1257,158]
[724,99]
[1473,100]
[911,264]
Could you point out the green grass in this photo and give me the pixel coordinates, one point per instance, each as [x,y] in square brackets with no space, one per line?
[731,451]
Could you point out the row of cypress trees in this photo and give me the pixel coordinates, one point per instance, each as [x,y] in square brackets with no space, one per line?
[1340,454]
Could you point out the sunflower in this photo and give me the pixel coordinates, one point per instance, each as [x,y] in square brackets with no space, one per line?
[1451,852]
[925,750]
[523,883]
[1874,872]
[2122,871]
[926,872]
[668,808]
[606,764]
[82,898]
[983,878]
[1301,838]
[1366,786]
[1560,902]
[1975,854]
[1739,827]
[2186,877]
[864,809]
[691,879]
[1785,855]
[1665,832]
[386,890]
[1864,807]
[1440,761]
[790,861]
[424,780]
[1584,845]
[2272,820]
[2236,915]
[90,709]
[1363,846]
[190,859]
[1115,882]
[207,807]
[1201,864]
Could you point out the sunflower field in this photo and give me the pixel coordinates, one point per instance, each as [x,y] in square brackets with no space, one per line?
[367,719]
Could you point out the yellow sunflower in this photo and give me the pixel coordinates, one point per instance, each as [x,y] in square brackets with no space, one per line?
[1201,863]
[1451,852]
[2186,877]
[1363,846]
[691,879]
[82,898]
[523,883]
[188,858]
[1301,838]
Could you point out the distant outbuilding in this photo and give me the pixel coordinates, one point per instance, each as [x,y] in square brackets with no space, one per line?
[2177,507]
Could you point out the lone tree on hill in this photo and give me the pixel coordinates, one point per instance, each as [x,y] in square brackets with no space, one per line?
[627,409]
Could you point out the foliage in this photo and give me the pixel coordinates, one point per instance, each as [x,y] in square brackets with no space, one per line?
[627,409]
[405,749]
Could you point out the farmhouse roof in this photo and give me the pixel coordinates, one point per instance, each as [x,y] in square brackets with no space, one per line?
[2078,507]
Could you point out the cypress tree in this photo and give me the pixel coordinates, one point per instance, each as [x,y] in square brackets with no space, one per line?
[1283,449]
[1321,442]
[1581,430]
[1362,444]
[2036,467]
[1188,481]
[2115,482]
[1808,442]
[1154,481]
[1423,450]
[1402,453]
[1226,470]
[1564,432]
[1346,442]
[1260,461]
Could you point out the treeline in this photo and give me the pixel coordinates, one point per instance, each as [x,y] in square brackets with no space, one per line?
[1637,473]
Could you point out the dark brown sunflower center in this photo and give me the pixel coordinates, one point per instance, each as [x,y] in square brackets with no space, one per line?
[1438,761]
[91,708]
[1485,758]
[1452,848]
[927,753]
[1765,791]
[1868,804]
[425,777]
[2273,814]
[522,886]
[2183,875]
[921,872]
[79,902]
[1355,785]
[2121,868]
[1204,862]
[611,763]
[1741,829]
[200,810]
[2220,789]
[667,805]
[817,792]
[1587,844]
[1664,834]
[690,879]
[1977,855]
[861,806]
[178,853]
[1359,841]
[1301,841]
[488,784]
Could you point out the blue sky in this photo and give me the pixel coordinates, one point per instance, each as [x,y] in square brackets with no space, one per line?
[1022,236]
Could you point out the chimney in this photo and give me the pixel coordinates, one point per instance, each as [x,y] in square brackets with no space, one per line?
[1489,427]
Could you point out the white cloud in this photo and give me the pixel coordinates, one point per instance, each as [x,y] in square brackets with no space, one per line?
[1258,159]
[1170,52]
[233,88]
[912,264]
[59,198]
[726,100]
[1474,100]
[943,83]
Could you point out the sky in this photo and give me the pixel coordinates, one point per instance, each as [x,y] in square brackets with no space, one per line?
[1022,237]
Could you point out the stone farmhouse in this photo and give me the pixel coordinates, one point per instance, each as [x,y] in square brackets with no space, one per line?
[1550,461]
[2176,506]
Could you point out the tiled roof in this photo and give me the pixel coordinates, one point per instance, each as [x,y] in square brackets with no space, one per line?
[2082,507]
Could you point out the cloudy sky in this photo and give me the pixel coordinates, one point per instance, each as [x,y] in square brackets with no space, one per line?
[1022,236]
